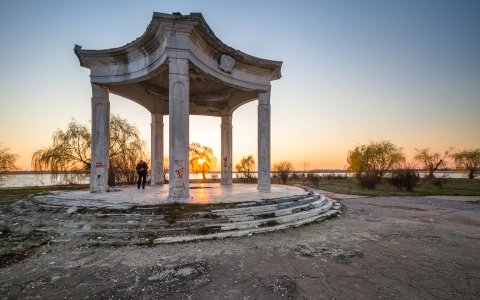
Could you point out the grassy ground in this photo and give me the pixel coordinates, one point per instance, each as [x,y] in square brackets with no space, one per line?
[452,186]
[10,195]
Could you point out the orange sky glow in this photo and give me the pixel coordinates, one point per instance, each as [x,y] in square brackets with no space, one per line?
[353,72]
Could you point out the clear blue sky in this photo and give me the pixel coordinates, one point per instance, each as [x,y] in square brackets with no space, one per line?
[354,71]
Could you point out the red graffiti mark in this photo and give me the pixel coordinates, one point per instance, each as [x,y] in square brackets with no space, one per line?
[225,161]
[179,173]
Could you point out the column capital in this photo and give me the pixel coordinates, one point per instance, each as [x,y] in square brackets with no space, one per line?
[264,98]
[99,92]
[157,118]
[177,66]
[226,120]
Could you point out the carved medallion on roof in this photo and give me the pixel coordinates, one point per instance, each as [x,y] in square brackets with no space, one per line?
[227,63]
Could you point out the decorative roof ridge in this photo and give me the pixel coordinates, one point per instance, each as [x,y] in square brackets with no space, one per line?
[156,24]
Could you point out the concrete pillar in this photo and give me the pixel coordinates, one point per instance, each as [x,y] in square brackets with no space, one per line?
[178,93]
[157,149]
[100,139]
[226,149]
[264,142]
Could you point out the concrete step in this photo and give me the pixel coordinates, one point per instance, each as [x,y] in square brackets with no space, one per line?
[239,219]
[237,233]
[277,213]
[122,232]
[327,205]
[261,209]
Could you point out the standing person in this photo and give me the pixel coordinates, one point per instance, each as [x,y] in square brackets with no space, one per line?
[142,168]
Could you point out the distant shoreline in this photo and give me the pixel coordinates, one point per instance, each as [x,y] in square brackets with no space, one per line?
[218,172]
[42,172]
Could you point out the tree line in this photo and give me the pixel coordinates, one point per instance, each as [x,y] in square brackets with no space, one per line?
[70,151]
[371,162]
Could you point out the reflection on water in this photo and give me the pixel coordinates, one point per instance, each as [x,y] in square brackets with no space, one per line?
[21,180]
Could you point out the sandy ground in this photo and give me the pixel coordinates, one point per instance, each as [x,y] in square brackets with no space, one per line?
[382,247]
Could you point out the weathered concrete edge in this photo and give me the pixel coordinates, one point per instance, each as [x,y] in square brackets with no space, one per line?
[336,209]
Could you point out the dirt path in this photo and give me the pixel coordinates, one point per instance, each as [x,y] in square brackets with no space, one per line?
[384,247]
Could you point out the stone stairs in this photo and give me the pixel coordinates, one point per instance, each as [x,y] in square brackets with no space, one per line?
[173,223]
[264,217]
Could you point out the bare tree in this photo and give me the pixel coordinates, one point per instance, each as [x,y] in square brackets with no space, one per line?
[431,160]
[305,165]
[283,168]
[246,167]
[468,160]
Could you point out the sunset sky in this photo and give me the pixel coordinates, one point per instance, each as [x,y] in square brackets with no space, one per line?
[353,71]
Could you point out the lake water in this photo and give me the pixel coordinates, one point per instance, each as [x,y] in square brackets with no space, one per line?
[22,180]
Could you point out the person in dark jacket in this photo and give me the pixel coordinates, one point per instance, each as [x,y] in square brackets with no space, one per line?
[142,173]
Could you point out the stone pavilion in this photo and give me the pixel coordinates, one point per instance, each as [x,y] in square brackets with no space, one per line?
[178,67]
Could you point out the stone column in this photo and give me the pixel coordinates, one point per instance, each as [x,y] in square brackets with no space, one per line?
[264,142]
[100,139]
[226,151]
[178,92]
[157,149]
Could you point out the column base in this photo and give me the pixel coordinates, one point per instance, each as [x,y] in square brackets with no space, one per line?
[178,199]
[264,189]
[157,183]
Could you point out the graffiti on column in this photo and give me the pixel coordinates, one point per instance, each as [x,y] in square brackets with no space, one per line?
[225,162]
[179,172]
[225,166]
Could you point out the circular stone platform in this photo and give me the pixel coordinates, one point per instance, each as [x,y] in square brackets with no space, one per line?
[129,214]
[207,193]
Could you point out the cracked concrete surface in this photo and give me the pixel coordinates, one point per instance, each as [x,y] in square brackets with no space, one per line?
[380,247]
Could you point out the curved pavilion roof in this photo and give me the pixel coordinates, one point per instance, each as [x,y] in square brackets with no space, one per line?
[220,77]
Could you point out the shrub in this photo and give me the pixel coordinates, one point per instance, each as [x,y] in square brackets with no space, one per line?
[313,179]
[404,178]
[368,180]
[438,182]
[283,168]
[335,176]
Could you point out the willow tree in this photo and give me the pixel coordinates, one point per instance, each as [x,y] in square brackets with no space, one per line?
[372,161]
[7,161]
[202,159]
[71,150]
[469,160]
[126,150]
